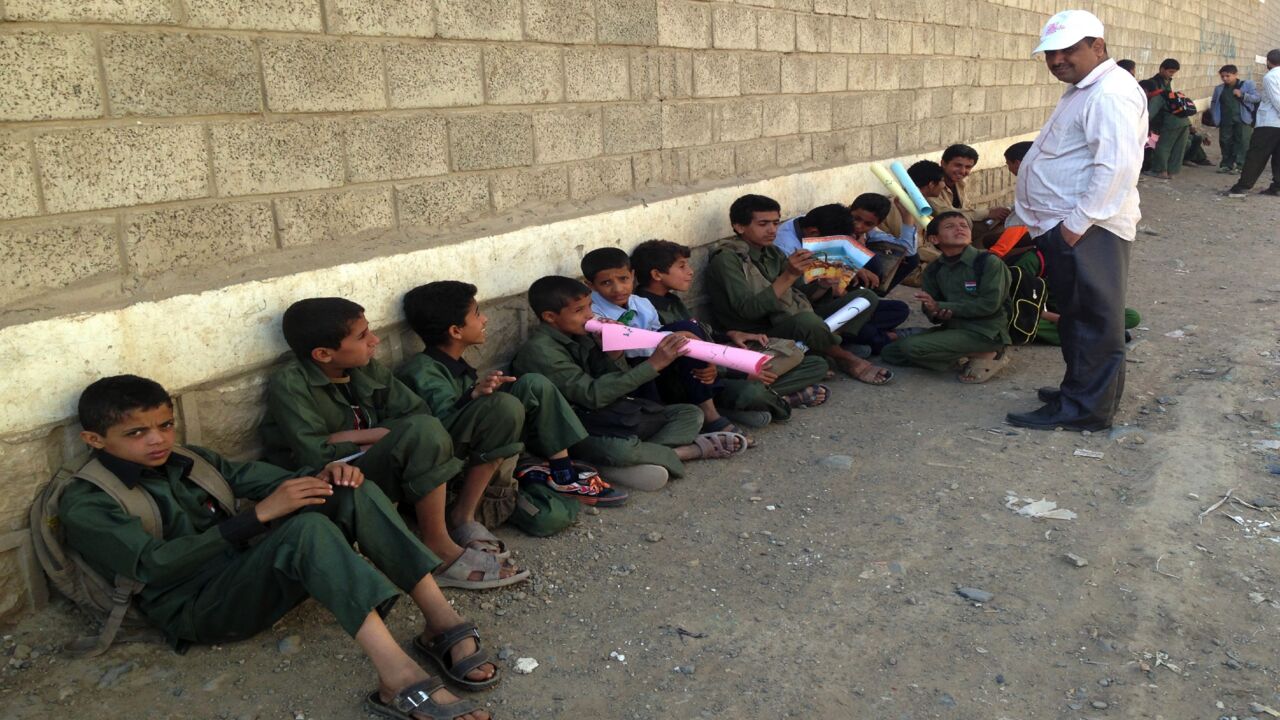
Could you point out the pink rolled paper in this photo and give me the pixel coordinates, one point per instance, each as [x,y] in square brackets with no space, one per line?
[614,336]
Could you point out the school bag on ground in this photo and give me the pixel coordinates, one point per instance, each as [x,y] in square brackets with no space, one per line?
[541,511]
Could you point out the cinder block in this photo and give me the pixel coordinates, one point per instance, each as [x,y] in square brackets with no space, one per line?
[922,39]
[712,162]
[17,181]
[831,73]
[675,74]
[911,74]
[775,30]
[898,37]
[322,75]
[738,120]
[48,76]
[479,19]
[846,35]
[685,124]
[813,33]
[180,74]
[439,203]
[325,217]
[798,74]
[49,256]
[715,74]
[276,156]
[858,8]
[566,134]
[201,236]
[647,170]
[761,74]
[28,464]
[596,74]
[134,12]
[851,111]
[908,137]
[396,147]
[682,23]
[400,18]
[596,178]
[119,166]
[886,74]
[830,7]
[794,151]
[827,149]
[781,116]
[733,27]
[797,5]
[814,113]
[517,75]
[517,188]
[755,156]
[627,22]
[632,128]
[434,75]
[875,37]
[857,143]
[561,21]
[884,141]
[226,415]
[288,15]
[13,589]
[481,141]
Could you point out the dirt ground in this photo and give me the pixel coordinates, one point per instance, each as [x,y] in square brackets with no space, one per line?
[787,585]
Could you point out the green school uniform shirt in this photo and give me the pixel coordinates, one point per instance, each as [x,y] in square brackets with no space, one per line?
[1161,119]
[736,305]
[200,540]
[304,407]
[583,373]
[979,305]
[443,383]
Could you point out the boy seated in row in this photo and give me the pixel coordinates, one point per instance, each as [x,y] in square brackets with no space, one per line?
[755,287]
[662,269]
[608,274]
[901,243]
[486,417]
[638,444]
[333,401]
[957,162]
[966,294]
[203,582]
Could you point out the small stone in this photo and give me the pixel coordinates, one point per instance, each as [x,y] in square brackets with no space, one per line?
[685,669]
[653,537]
[112,676]
[837,462]
[487,606]
[1076,560]
[591,510]
[506,653]
[1099,705]
[946,700]
[999,679]
[1233,664]
[1167,400]
[974,594]
[22,652]
[1105,682]
[526,665]
[744,535]
[289,645]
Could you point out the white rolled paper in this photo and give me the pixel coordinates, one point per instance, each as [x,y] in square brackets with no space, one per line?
[847,313]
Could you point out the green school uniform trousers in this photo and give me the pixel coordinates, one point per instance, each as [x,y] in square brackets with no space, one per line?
[1233,133]
[980,307]
[589,379]
[492,427]
[1175,133]
[738,306]
[204,584]
[304,407]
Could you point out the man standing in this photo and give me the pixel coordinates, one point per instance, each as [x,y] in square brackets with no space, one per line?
[1174,131]
[1077,192]
[1265,144]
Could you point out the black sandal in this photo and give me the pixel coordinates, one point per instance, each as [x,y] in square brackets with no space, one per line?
[415,702]
[438,647]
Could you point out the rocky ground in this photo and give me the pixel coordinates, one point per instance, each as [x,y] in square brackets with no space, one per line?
[818,576]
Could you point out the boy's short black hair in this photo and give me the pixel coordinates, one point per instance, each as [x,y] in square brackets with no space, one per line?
[924,172]
[433,308]
[833,219]
[1017,151]
[553,292]
[875,203]
[318,322]
[959,150]
[657,255]
[1127,64]
[1170,64]
[606,258]
[935,225]
[105,402]
[1229,68]
[745,207]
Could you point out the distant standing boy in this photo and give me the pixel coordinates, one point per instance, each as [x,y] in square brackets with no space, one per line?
[1233,109]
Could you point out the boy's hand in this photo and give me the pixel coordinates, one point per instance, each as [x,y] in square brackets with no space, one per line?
[363,438]
[866,278]
[740,339]
[908,220]
[291,496]
[671,347]
[705,375]
[687,334]
[342,475]
[798,262]
[490,383]
[766,376]
[927,304]
[1237,92]
[999,214]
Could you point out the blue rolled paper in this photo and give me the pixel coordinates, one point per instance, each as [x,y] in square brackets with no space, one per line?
[900,174]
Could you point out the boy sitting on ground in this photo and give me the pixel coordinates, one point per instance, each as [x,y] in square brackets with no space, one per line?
[333,400]
[202,582]
[756,288]
[486,416]
[957,162]
[638,444]
[662,269]
[966,293]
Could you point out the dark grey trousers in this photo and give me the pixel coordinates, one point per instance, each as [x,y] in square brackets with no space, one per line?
[1264,147]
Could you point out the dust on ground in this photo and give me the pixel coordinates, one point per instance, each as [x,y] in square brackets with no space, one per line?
[790,584]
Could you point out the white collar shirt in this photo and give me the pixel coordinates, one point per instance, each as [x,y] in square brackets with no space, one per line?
[1082,170]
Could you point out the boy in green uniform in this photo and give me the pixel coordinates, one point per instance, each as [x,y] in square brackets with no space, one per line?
[332,400]
[662,269]
[755,287]
[966,292]
[598,384]
[203,583]
[1174,131]
[488,426]
[1233,106]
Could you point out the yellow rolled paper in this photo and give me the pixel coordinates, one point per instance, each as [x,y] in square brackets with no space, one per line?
[899,192]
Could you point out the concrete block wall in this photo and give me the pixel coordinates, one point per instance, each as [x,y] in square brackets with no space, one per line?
[155,148]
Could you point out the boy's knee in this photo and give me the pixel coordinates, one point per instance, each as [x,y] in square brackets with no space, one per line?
[302,528]
[532,385]
[426,428]
[500,405]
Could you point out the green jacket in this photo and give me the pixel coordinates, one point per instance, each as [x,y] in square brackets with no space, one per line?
[584,374]
[443,383]
[1159,117]
[199,540]
[979,305]
[304,408]
[744,300]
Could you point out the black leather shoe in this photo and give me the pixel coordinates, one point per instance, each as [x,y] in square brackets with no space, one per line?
[1049,418]
[1048,394]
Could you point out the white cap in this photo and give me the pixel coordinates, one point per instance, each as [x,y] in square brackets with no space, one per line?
[1068,28]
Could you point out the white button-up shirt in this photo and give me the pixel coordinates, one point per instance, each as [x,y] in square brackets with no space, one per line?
[1083,168]
[1269,108]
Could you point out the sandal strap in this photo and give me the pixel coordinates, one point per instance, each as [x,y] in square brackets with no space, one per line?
[441,644]
[463,666]
[416,695]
